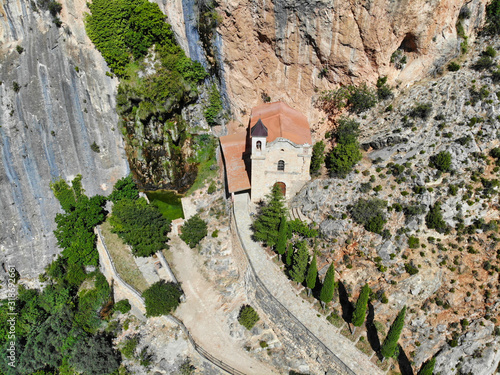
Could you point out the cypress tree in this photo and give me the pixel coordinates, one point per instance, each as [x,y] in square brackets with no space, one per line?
[282,237]
[428,367]
[289,255]
[266,226]
[391,340]
[300,260]
[326,294]
[358,316]
[312,274]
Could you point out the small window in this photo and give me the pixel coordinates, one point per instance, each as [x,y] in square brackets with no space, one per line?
[259,145]
[281,165]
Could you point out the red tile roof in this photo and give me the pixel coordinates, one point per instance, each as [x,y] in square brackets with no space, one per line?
[282,121]
[277,120]
[233,148]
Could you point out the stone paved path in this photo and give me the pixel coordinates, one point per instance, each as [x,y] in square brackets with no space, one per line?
[275,281]
[203,313]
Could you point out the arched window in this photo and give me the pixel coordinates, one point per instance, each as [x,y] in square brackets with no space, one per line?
[281,165]
[258,145]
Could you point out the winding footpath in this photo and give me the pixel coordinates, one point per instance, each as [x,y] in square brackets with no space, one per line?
[274,280]
[203,312]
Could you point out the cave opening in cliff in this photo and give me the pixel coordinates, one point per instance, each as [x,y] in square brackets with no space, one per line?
[409,43]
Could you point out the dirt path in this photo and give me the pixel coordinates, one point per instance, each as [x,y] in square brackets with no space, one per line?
[202,313]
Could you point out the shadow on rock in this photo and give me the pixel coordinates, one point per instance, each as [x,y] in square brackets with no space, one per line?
[347,307]
[404,362]
[371,331]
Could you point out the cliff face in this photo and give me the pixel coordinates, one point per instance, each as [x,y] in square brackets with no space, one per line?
[64,104]
[290,50]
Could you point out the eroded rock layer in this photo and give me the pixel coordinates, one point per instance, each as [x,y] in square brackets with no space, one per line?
[58,119]
[291,50]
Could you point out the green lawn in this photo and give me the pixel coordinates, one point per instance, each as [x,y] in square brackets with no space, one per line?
[168,202]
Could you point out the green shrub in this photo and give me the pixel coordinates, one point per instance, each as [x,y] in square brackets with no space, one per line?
[492,26]
[15,86]
[95,147]
[193,231]
[383,91]
[341,160]
[123,306]
[490,51]
[212,188]
[162,298]
[248,317]
[412,270]
[453,66]
[441,161]
[124,188]
[356,98]
[370,214]
[95,355]
[129,346]
[434,219]
[484,62]
[214,106]
[317,158]
[421,110]
[19,49]
[140,225]
[413,242]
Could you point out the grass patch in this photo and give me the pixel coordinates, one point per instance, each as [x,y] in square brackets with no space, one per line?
[345,331]
[206,160]
[335,319]
[364,346]
[123,259]
[383,366]
[168,203]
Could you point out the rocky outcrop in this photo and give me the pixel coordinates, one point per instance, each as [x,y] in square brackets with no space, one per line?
[478,353]
[290,50]
[55,103]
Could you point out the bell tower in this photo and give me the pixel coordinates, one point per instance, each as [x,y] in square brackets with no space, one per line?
[258,134]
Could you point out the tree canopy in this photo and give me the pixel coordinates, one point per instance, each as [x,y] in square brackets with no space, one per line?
[95,355]
[358,316]
[370,214]
[193,231]
[328,288]
[162,298]
[124,188]
[346,153]
[140,225]
[299,263]
[390,344]
[266,226]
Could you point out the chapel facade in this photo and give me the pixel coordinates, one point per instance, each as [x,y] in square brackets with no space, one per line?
[276,149]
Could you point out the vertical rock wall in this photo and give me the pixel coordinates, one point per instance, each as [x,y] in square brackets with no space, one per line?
[280,47]
[65,103]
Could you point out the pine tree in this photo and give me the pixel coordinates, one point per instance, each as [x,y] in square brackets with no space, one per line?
[300,260]
[282,237]
[266,226]
[312,274]
[428,367]
[326,294]
[391,340]
[289,255]
[358,316]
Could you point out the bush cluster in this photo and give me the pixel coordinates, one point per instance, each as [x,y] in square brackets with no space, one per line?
[370,214]
[194,230]
[341,160]
[140,225]
[248,317]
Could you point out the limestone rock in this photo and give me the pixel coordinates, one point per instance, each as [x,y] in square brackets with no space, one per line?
[478,353]
[289,50]
[64,104]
